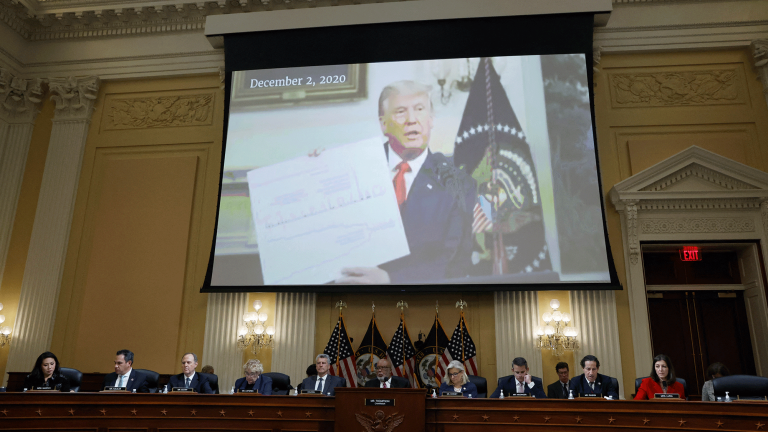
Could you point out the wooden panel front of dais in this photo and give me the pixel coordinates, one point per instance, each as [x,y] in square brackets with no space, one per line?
[379,410]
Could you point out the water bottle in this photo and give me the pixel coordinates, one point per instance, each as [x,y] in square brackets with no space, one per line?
[25,390]
[469,396]
[165,389]
[434,393]
[232,390]
[570,394]
[719,399]
[133,391]
[501,395]
[727,398]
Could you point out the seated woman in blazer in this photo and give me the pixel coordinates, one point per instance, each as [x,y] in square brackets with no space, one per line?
[456,380]
[662,380]
[47,373]
[253,379]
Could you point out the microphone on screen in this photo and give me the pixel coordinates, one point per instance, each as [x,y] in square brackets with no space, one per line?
[664,386]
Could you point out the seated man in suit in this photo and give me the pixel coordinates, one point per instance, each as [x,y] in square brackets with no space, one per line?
[591,382]
[436,198]
[188,378]
[253,380]
[124,375]
[559,388]
[521,382]
[323,381]
[385,378]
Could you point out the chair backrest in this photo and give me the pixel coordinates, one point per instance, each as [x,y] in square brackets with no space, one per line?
[152,378]
[481,383]
[74,376]
[213,380]
[616,384]
[741,386]
[682,381]
[281,383]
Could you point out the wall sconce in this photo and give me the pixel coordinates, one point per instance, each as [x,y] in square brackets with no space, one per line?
[441,69]
[558,338]
[253,334]
[5,331]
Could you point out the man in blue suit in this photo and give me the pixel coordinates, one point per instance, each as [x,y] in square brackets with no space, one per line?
[125,376]
[188,378]
[521,382]
[323,381]
[436,199]
[591,382]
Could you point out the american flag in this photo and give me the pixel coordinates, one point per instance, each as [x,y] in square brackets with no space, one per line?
[339,349]
[460,345]
[402,355]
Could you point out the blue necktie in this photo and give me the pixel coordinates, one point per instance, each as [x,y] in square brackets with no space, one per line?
[187,385]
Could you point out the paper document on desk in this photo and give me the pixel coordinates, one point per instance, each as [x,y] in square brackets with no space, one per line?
[317,214]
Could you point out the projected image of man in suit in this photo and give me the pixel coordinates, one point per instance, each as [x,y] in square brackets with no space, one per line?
[436,199]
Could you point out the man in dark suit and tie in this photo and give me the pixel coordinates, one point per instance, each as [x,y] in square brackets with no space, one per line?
[521,382]
[436,199]
[384,378]
[559,388]
[188,378]
[323,381]
[124,375]
[591,382]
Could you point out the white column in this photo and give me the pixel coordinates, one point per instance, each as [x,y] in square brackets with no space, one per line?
[222,319]
[50,233]
[517,315]
[294,335]
[760,51]
[20,104]
[594,314]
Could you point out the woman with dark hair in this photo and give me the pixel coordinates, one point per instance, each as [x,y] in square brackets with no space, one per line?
[715,370]
[47,373]
[662,380]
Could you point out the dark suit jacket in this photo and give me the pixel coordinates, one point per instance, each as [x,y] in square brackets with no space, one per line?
[397,382]
[555,391]
[466,389]
[263,385]
[199,383]
[329,387]
[56,380]
[509,385]
[603,384]
[136,380]
[437,217]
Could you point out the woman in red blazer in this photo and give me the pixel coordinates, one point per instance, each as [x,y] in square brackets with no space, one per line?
[663,375]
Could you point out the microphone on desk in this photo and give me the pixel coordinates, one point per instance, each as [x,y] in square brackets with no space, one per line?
[664,386]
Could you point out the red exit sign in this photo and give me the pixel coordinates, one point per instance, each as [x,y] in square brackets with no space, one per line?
[690,253]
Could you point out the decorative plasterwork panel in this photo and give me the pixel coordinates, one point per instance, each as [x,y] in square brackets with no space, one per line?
[74,97]
[701,172]
[697,225]
[19,98]
[158,111]
[677,88]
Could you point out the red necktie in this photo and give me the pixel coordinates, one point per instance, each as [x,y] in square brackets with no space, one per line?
[385,383]
[399,182]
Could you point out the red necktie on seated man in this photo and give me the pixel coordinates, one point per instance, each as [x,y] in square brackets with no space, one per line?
[399,182]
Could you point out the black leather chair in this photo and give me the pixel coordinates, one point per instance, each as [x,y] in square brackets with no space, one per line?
[742,387]
[615,382]
[74,376]
[152,379]
[481,384]
[213,380]
[281,383]
[682,381]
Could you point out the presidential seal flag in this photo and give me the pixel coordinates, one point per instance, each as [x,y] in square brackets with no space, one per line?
[372,349]
[402,354]
[339,349]
[492,146]
[461,348]
[428,358]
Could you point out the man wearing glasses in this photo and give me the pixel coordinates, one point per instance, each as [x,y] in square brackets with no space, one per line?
[385,378]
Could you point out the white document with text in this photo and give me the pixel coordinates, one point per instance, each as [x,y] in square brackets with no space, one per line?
[317,214]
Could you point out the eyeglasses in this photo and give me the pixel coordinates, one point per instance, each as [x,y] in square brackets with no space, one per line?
[454,374]
[382,368]
[252,374]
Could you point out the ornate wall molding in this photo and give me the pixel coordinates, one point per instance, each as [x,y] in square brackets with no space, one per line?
[760,51]
[701,172]
[764,215]
[696,225]
[630,215]
[699,204]
[676,88]
[19,98]
[158,111]
[74,97]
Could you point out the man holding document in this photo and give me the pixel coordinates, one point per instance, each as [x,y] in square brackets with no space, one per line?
[436,199]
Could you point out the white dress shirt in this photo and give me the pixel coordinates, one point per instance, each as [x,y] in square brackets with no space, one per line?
[320,387]
[191,377]
[388,381]
[125,380]
[394,161]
